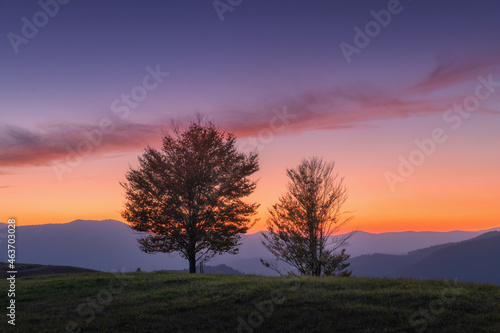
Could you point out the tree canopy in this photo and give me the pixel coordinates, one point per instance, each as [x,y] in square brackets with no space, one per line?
[189,194]
[303,223]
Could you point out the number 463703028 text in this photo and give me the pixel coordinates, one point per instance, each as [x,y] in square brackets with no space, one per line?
[11,240]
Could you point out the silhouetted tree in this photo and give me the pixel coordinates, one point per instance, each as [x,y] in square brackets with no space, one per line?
[188,195]
[303,223]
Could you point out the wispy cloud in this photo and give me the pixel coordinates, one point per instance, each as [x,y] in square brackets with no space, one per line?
[356,106]
[20,147]
[340,108]
[351,107]
[453,71]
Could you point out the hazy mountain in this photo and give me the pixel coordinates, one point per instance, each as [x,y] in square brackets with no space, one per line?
[474,260]
[365,242]
[471,260]
[248,260]
[406,241]
[102,245]
[381,264]
[111,245]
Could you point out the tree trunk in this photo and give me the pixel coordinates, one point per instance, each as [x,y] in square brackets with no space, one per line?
[192,263]
[191,230]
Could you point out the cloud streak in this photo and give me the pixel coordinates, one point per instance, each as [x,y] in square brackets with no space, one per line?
[340,108]
[452,71]
[20,147]
[336,109]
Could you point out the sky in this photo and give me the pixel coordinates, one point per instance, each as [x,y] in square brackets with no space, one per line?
[404,97]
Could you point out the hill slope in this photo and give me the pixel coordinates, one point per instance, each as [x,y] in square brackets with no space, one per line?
[173,302]
[24,270]
[474,260]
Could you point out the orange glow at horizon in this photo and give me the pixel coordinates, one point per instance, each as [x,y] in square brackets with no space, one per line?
[99,198]
[447,193]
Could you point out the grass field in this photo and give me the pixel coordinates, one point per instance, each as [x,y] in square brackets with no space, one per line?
[177,302]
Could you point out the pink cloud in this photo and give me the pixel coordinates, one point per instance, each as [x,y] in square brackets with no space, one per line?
[341,108]
[450,72]
[20,147]
[329,110]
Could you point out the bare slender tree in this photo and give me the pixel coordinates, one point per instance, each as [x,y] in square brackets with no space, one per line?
[188,195]
[303,224]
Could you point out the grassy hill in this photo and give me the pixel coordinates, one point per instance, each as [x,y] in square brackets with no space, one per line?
[178,302]
[208,269]
[24,270]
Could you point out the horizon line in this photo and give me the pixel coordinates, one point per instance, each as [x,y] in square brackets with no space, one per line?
[247,234]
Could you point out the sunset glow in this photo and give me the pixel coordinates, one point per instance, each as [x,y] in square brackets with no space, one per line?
[80,102]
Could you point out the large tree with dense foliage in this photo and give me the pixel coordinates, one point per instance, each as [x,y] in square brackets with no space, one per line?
[303,224]
[188,194]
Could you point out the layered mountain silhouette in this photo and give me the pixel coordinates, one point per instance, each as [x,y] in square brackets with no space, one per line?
[474,260]
[110,245]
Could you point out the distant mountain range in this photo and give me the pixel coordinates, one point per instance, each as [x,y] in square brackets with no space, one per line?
[110,245]
[475,260]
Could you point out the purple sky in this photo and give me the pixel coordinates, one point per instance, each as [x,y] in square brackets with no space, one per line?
[62,82]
